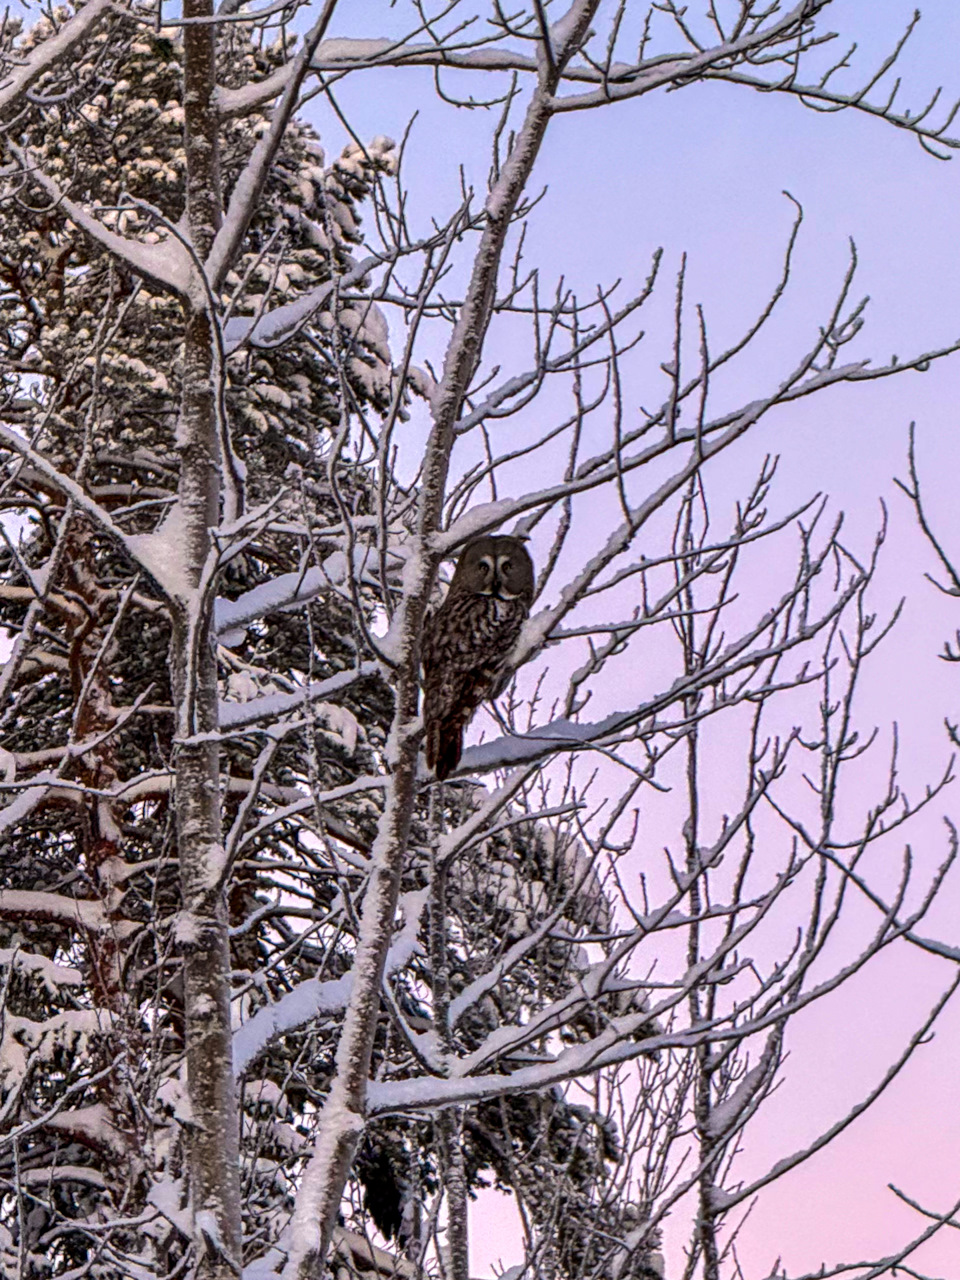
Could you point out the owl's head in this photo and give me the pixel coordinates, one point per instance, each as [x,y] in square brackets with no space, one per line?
[495,565]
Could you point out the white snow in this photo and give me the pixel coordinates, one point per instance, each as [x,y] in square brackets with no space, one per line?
[311,998]
[167,1195]
[236,715]
[725,1115]
[17,810]
[240,686]
[274,328]
[39,905]
[167,263]
[186,929]
[288,589]
[51,974]
[267,597]
[47,1175]
[161,552]
[266,1268]
[517,749]
[92,1126]
[479,519]
[70,1030]
[47,53]
[306,1001]
[340,722]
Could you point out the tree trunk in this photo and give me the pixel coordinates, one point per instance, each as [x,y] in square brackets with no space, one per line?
[214,1140]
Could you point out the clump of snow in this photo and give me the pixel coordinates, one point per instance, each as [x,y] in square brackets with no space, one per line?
[314,997]
[266,1093]
[340,723]
[290,589]
[17,810]
[727,1114]
[268,1267]
[270,706]
[51,974]
[69,1032]
[305,1001]
[167,1195]
[240,686]
[421,382]
[161,552]
[172,1095]
[479,519]
[92,1126]
[186,930]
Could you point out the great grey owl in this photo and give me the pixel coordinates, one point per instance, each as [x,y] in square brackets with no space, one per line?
[467,639]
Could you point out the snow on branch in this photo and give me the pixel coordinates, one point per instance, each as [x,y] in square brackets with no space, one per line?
[358,54]
[427,1092]
[314,997]
[308,1000]
[91,1126]
[41,1179]
[290,589]
[29,904]
[154,563]
[48,53]
[570,735]
[239,715]
[781,42]
[732,1111]
[249,185]
[50,973]
[166,264]
[13,813]
[691,66]
[284,322]
[558,735]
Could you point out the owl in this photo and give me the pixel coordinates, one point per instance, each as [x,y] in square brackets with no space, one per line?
[467,639]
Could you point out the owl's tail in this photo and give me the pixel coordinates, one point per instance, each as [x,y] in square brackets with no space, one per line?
[444,746]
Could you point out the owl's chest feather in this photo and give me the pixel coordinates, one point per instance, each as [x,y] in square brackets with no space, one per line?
[472,630]
[498,618]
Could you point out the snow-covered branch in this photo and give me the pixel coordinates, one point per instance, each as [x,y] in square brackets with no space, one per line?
[23,75]
[166,265]
[82,913]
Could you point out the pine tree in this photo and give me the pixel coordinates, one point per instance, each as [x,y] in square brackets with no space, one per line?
[90,360]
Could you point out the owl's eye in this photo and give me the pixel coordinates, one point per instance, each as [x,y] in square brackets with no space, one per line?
[505,566]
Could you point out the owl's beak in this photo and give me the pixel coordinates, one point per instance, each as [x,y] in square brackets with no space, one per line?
[497,589]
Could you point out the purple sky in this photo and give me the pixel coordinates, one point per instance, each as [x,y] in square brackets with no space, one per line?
[703,170]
